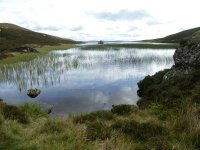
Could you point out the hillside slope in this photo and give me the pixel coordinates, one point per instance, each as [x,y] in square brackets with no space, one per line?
[177,37]
[13,36]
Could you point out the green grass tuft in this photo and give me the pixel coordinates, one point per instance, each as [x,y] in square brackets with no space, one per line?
[123,109]
[103,114]
[97,130]
[140,131]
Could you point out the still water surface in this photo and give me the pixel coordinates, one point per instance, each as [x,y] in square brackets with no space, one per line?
[76,81]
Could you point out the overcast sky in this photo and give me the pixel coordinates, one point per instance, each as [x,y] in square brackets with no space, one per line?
[103,19]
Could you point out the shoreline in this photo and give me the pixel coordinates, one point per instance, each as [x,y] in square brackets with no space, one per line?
[23,57]
[14,57]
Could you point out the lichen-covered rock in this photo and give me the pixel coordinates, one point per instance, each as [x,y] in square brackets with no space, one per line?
[177,71]
[188,55]
[186,59]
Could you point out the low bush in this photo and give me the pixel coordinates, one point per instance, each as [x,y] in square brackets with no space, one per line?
[196,139]
[144,103]
[196,98]
[174,93]
[183,42]
[97,130]
[14,113]
[52,125]
[8,141]
[123,109]
[188,119]
[143,84]
[150,81]
[156,143]
[143,131]
[33,110]
[185,83]
[171,93]
[104,115]
[1,120]
[158,110]
[196,74]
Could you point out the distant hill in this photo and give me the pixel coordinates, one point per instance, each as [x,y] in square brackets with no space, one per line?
[177,37]
[13,36]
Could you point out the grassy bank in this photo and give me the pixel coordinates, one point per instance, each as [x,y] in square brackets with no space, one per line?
[14,57]
[131,45]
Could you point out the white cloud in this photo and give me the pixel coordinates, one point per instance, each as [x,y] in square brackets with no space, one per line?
[122,15]
[75,19]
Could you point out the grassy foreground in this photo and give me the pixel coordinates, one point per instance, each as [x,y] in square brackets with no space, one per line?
[124,127]
[15,57]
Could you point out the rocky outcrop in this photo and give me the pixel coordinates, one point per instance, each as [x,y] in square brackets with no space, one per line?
[177,71]
[188,55]
[186,59]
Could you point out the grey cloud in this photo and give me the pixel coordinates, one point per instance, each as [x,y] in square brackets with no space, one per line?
[122,15]
[181,29]
[133,28]
[56,28]
[2,1]
[155,22]
[32,25]
[77,28]
[124,35]
[50,28]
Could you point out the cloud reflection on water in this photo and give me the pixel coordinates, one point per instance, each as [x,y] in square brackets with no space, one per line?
[77,81]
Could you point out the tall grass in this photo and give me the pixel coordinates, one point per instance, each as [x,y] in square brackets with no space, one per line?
[100,130]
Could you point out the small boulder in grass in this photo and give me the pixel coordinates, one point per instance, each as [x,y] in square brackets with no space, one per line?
[33,92]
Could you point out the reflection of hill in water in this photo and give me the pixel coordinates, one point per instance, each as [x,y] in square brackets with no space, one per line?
[54,68]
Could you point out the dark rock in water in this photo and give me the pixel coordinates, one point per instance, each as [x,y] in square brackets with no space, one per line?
[100,42]
[33,93]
